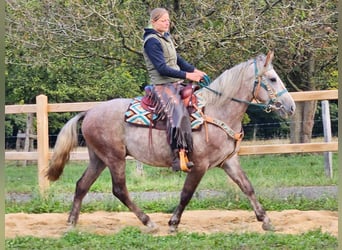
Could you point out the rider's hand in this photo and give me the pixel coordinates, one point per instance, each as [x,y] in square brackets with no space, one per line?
[195,76]
[200,72]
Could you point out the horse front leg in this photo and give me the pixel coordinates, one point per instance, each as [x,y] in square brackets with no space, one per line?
[233,168]
[191,182]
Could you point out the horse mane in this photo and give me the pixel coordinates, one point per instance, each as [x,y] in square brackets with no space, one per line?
[228,83]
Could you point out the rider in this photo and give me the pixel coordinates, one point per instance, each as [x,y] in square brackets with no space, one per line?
[167,71]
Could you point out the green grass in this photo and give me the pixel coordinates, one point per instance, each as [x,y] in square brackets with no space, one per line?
[131,238]
[263,171]
[229,202]
[289,170]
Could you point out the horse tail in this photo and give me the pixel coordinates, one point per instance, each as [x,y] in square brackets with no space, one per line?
[67,140]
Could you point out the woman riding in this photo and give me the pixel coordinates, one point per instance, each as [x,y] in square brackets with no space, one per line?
[167,71]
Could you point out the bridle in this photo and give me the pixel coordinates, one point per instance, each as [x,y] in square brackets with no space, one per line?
[273,103]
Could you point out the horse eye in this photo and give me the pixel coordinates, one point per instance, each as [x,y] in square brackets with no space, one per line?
[273,79]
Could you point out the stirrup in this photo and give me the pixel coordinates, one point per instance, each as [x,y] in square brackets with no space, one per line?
[185,164]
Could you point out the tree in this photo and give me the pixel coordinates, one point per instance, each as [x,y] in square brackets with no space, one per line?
[55,57]
[91,50]
[310,61]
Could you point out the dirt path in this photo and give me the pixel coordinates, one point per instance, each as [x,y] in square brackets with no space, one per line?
[203,221]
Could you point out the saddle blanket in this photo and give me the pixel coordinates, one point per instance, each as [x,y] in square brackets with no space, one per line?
[136,114]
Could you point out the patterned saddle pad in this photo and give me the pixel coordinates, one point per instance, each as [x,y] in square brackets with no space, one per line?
[136,114]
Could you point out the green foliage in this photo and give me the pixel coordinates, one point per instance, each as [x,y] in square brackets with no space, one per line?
[74,43]
[24,83]
[328,78]
[13,123]
[246,119]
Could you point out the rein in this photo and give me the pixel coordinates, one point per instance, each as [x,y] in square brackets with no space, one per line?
[204,83]
[267,107]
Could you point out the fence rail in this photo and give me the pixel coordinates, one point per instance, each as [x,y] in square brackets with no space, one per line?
[82,106]
[43,154]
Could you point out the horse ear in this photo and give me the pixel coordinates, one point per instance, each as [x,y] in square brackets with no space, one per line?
[269,58]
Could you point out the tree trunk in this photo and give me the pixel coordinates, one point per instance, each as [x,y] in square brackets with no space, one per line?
[303,120]
[308,120]
[28,139]
[296,121]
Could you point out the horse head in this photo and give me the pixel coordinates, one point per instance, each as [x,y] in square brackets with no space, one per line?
[269,88]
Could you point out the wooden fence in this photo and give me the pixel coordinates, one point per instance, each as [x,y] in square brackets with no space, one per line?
[43,154]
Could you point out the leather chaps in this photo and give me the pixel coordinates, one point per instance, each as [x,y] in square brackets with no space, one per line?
[168,104]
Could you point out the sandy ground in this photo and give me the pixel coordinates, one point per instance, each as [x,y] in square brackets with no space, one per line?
[204,221]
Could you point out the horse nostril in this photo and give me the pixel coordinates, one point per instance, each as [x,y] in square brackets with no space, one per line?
[279,105]
[292,109]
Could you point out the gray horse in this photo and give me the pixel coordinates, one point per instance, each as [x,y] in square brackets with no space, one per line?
[110,139]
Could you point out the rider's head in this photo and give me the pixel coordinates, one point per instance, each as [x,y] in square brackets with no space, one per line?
[160,20]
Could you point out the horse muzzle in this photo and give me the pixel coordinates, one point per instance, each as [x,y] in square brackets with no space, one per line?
[283,110]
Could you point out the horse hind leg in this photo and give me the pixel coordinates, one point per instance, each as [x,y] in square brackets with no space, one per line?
[233,168]
[93,171]
[120,191]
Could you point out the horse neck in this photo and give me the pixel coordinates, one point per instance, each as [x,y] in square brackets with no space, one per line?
[237,83]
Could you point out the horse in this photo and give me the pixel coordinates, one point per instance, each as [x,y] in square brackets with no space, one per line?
[110,139]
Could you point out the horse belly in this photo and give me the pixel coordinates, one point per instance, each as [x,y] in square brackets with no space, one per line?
[149,147]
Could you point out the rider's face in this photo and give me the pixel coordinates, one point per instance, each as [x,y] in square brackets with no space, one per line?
[162,24]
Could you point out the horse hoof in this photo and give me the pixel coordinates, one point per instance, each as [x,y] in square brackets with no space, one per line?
[70,228]
[71,224]
[268,227]
[151,227]
[173,229]
[151,230]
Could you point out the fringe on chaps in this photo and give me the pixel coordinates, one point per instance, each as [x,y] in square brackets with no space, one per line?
[168,104]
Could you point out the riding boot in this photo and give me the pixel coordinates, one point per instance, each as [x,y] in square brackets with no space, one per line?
[189,164]
[175,160]
[180,161]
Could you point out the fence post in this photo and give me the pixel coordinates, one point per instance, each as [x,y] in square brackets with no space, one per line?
[327,137]
[42,142]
